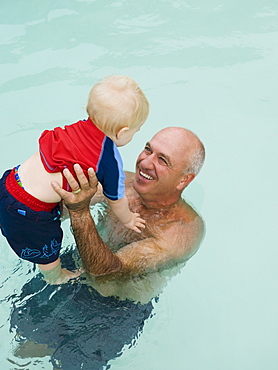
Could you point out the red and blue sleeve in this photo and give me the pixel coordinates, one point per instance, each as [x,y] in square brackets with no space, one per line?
[110,171]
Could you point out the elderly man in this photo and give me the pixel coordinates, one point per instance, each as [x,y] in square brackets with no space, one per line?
[173,231]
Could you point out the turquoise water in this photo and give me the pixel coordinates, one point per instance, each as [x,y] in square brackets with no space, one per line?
[207,66]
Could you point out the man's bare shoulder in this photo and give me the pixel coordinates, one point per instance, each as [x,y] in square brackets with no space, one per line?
[183,211]
[183,231]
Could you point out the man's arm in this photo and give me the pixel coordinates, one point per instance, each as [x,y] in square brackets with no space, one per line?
[96,256]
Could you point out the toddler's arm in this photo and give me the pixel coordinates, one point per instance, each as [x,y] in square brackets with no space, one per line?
[129,219]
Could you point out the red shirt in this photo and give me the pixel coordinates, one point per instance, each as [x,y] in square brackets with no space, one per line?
[83,143]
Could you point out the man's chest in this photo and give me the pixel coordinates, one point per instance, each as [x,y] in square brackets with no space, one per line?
[116,235]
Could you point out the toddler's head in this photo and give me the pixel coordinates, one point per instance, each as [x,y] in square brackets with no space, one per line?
[118,107]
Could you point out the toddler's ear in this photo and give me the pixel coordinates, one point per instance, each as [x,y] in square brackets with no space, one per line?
[122,132]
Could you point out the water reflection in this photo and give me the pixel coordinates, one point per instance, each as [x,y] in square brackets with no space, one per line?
[73,324]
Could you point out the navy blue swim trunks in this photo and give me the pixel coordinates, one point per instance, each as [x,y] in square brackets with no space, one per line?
[31,227]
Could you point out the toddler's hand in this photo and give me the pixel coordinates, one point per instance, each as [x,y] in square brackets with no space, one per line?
[135,222]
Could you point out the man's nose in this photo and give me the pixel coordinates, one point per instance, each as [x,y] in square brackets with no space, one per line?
[148,161]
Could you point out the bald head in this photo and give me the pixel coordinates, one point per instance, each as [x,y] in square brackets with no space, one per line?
[188,147]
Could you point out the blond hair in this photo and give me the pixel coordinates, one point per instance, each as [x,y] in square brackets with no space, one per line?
[116,102]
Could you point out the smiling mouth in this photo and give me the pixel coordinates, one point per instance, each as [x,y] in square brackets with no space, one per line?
[145,176]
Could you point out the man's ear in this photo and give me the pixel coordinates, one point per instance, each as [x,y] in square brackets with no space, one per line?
[121,132]
[186,180]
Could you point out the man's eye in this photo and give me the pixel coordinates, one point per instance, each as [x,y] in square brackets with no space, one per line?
[163,160]
[147,149]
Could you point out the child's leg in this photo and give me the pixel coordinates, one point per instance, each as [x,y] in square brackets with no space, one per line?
[34,235]
[54,273]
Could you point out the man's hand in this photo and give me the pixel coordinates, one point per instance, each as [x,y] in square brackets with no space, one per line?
[82,191]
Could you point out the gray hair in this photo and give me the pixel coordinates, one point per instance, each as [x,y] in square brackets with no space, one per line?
[196,160]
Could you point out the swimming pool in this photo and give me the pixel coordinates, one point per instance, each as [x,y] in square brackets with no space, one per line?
[207,66]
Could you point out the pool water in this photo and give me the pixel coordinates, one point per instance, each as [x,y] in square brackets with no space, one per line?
[207,66]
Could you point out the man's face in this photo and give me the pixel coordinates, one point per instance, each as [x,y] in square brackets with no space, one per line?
[159,167]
